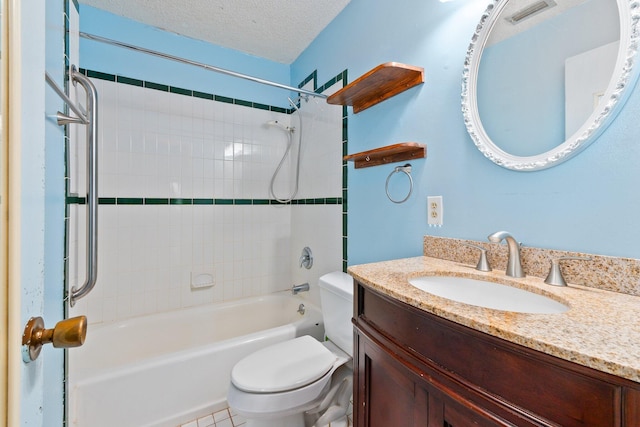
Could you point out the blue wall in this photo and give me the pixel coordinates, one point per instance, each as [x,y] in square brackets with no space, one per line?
[115,60]
[588,204]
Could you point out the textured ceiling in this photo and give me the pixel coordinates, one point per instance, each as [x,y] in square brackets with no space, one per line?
[278,30]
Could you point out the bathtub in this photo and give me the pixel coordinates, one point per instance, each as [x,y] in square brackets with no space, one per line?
[169,368]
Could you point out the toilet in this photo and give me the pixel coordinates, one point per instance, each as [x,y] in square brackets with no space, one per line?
[301,382]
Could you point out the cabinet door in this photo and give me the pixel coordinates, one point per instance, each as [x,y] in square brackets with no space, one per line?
[388,394]
[457,414]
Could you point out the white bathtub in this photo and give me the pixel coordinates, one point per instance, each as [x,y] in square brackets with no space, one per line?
[169,368]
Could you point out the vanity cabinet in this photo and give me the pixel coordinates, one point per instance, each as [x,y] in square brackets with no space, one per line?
[413,368]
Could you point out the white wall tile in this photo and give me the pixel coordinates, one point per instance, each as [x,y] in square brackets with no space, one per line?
[159,145]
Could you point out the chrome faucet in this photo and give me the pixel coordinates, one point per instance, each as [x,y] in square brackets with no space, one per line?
[514,265]
[295,290]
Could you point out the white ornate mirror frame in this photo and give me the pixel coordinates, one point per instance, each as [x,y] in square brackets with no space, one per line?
[622,81]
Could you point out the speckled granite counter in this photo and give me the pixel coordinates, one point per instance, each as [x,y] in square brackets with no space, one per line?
[600,330]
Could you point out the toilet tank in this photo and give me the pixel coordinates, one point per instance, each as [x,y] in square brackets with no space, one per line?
[336,297]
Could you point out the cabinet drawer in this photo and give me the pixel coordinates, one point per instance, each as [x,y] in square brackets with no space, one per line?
[555,390]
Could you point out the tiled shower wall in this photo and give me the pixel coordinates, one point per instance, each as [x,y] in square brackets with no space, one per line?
[184,190]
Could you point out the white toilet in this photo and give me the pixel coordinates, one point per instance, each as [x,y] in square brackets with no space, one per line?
[301,379]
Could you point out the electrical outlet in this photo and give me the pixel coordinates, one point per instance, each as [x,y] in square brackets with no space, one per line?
[434,211]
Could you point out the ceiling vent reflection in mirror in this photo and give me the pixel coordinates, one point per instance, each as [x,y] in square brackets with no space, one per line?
[529,11]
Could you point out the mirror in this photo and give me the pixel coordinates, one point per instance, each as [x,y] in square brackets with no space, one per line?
[543,78]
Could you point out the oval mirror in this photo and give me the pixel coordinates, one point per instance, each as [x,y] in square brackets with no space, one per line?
[543,78]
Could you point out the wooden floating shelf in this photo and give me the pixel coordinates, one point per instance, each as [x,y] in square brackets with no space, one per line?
[388,154]
[383,82]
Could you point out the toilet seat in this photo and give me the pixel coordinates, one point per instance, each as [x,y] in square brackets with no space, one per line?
[283,366]
[268,405]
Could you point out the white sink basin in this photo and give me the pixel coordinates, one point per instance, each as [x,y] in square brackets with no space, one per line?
[488,294]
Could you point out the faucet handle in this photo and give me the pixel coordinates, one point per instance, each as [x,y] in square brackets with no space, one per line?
[483,262]
[555,276]
[306,259]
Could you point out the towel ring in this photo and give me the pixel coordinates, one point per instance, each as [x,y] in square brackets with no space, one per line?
[406,169]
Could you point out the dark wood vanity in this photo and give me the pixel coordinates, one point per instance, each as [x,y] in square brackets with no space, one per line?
[413,368]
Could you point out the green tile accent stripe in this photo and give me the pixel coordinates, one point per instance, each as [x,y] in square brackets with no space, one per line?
[107,200]
[280,110]
[76,200]
[129,201]
[99,75]
[244,103]
[203,95]
[129,81]
[313,76]
[181,91]
[224,99]
[181,201]
[156,86]
[155,201]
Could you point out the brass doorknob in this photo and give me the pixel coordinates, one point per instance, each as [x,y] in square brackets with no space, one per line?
[66,334]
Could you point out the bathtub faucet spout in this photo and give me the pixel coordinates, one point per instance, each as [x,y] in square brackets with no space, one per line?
[300,288]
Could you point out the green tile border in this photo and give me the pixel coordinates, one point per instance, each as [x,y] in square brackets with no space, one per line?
[203,95]
[203,201]
[99,75]
[181,91]
[106,200]
[155,201]
[156,86]
[77,200]
[129,201]
[129,81]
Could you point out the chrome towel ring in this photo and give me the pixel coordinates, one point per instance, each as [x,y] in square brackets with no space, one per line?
[406,169]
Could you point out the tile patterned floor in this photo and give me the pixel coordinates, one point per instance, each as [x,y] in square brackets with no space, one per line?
[224,418]
[227,418]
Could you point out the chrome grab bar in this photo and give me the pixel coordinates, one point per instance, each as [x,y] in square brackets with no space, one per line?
[92,187]
[90,119]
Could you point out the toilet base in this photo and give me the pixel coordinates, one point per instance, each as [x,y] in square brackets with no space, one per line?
[295,420]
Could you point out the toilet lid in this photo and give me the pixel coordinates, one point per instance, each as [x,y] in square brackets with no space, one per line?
[283,366]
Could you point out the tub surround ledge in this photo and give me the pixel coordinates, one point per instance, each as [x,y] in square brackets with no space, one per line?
[600,330]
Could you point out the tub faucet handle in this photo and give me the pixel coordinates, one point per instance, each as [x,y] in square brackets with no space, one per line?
[483,262]
[306,259]
[555,276]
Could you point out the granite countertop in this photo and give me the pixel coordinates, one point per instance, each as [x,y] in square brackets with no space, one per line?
[600,330]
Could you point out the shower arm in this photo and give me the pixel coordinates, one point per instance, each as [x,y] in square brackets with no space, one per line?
[90,119]
[198,64]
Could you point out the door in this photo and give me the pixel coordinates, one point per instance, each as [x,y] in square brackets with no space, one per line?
[32,394]
[3,218]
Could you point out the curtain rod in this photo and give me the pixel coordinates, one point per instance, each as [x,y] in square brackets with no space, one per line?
[198,64]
